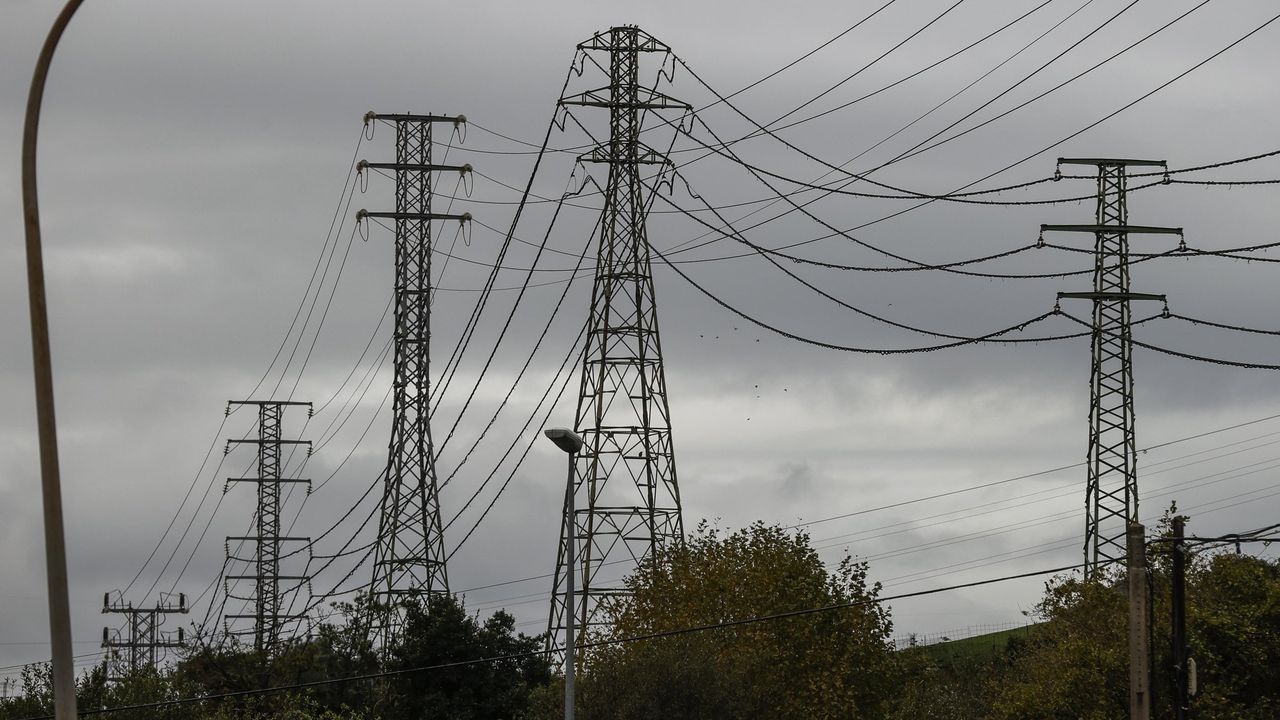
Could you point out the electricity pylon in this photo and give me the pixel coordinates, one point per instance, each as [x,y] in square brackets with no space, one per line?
[409,557]
[1111,493]
[626,497]
[266,597]
[138,646]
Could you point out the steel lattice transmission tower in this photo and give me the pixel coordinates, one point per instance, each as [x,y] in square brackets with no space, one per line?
[138,646]
[410,557]
[626,497]
[268,618]
[1111,494]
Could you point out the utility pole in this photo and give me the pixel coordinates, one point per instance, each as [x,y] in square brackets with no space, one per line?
[628,500]
[1181,695]
[266,597]
[1111,495]
[409,558]
[139,644]
[1139,628]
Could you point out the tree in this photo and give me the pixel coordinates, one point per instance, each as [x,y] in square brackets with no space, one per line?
[438,631]
[834,664]
[1076,663]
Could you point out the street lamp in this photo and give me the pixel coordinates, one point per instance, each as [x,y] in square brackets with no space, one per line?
[55,546]
[568,441]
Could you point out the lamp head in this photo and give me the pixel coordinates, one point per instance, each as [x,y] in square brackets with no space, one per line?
[565,439]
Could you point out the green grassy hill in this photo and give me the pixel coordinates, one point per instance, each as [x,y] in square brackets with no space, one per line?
[976,649]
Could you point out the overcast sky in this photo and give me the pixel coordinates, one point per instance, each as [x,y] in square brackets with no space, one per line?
[194,157]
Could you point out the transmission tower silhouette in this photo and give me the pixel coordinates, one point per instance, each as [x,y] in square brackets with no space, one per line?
[409,557]
[1111,492]
[267,541]
[627,501]
[139,645]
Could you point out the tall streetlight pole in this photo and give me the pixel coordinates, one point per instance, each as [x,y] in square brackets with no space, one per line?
[568,441]
[55,551]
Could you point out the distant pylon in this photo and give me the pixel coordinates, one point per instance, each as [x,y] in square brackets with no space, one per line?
[409,558]
[627,499]
[1111,492]
[138,646]
[266,579]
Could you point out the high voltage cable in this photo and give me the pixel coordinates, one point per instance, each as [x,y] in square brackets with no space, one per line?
[679,248]
[585,646]
[314,301]
[324,314]
[1058,516]
[971,83]
[455,357]
[936,63]
[739,91]
[510,476]
[1184,355]
[1223,326]
[1184,251]
[727,230]
[519,375]
[501,335]
[989,337]
[1071,136]
[764,128]
[932,573]
[923,146]
[1091,125]
[352,403]
[1059,544]
[800,207]
[986,532]
[386,311]
[332,227]
[757,173]
[307,319]
[724,98]
[864,313]
[949,493]
[842,233]
[917,149]
[275,358]
[1001,504]
[861,69]
[515,305]
[475,313]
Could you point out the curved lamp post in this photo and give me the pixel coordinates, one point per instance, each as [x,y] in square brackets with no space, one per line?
[64,683]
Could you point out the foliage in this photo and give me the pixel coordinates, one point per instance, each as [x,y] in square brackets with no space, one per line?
[821,665]
[1076,664]
[437,631]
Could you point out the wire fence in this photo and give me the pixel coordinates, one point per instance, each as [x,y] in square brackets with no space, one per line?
[902,642]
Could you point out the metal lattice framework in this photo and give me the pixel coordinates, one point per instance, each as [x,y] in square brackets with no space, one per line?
[626,497]
[267,616]
[410,556]
[1111,495]
[139,645]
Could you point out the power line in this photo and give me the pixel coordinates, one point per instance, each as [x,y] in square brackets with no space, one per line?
[950,493]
